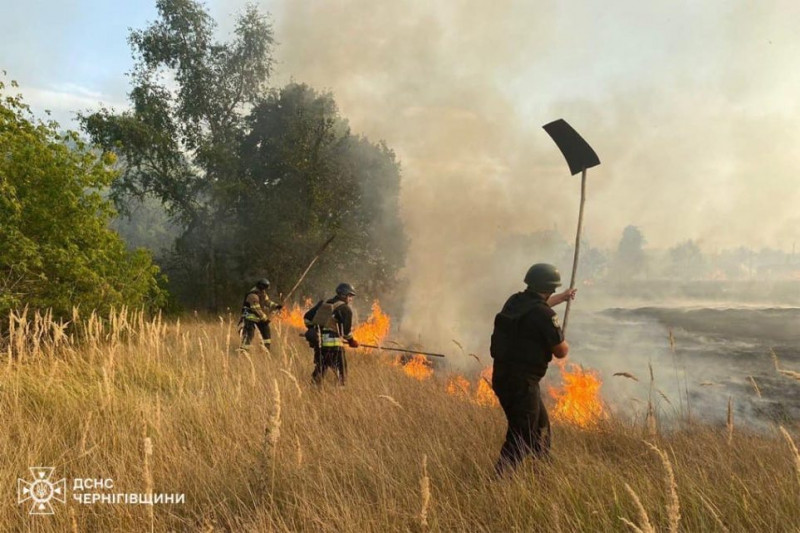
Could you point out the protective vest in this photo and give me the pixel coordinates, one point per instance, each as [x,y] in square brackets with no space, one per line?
[506,338]
[325,320]
[517,340]
[247,312]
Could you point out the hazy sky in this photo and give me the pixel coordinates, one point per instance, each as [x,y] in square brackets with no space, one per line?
[691,106]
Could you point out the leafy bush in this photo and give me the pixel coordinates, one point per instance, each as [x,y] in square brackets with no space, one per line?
[56,249]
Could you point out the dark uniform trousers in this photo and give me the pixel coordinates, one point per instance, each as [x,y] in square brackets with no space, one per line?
[528,423]
[249,332]
[329,357]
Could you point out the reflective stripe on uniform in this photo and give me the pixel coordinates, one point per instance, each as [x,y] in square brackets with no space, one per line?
[330,341]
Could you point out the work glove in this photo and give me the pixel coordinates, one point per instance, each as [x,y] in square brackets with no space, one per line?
[279,307]
[352,343]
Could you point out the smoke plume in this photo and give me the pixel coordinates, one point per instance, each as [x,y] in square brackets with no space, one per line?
[690,109]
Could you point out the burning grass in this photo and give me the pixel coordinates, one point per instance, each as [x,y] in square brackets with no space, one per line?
[164,406]
[462,388]
[293,316]
[375,329]
[418,367]
[577,400]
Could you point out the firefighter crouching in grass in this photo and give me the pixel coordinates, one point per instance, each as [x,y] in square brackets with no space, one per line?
[256,313]
[526,337]
[330,325]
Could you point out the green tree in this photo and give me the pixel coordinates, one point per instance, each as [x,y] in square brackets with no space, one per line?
[306,177]
[56,249]
[180,140]
[257,179]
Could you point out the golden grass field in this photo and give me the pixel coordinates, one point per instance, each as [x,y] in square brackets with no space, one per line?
[171,407]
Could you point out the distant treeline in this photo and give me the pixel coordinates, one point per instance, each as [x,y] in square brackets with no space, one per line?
[224,178]
[632,260]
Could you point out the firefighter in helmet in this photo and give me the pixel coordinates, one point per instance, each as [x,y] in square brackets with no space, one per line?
[526,337]
[257,309]
[330,326]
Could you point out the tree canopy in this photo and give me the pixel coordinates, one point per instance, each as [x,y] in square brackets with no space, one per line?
[257,178]
[306,178]
[56,249]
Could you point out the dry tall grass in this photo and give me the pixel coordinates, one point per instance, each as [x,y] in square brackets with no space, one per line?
[85,397]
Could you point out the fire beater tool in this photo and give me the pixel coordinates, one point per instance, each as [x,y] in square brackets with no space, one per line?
[362,345]
[303,275]
[580,157]
[400,350]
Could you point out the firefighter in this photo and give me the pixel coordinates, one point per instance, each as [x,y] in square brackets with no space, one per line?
[256,313]
[330,326]
[526,336]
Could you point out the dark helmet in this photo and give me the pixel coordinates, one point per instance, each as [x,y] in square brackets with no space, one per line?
[263,284]
[543,277]
[345,289]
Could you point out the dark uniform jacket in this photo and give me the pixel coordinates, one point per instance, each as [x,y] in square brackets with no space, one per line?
[257,306]
[537,331]
[342,314]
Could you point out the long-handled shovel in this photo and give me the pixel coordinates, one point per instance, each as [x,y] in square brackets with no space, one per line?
[580,157]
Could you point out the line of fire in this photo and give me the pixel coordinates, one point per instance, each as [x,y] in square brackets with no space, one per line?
[576,399]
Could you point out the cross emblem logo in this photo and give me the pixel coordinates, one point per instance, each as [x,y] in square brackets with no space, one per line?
[41,490]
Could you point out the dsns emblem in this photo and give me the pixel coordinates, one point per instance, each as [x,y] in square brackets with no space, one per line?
[41,490]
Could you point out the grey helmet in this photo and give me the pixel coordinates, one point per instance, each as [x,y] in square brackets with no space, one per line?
[345,289]
[263,284]
[543,277]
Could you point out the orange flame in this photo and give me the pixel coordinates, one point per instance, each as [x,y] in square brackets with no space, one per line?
[376,328]
[458,386]
[418,367]
[485,395]
[578,399]
[294,316]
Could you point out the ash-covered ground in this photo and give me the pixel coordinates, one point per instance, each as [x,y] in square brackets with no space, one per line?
[718,350]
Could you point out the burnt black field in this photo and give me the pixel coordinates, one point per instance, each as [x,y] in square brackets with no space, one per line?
[723,334]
